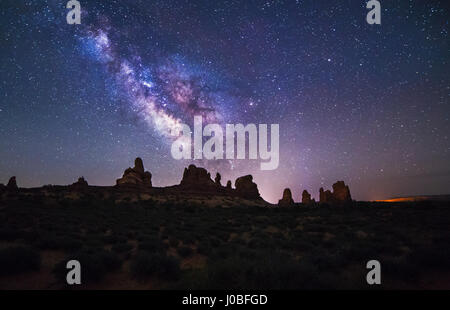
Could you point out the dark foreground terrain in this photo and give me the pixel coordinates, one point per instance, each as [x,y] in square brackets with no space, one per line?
[156,245]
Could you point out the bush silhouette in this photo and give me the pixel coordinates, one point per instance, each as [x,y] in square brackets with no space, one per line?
[147,264]
[15,260]
[184,251]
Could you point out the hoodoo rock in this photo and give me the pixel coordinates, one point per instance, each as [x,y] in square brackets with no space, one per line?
[81,184]
[245,187]
[196,178]
[229,185]
[287,200]
[12,184]
[341,192]
[306,197]
[325,196]
[136,176]
[217,179]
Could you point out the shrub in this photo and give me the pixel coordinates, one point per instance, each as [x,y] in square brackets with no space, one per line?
[152,245]
[122,247]
[204,248]
[401,268]
[215,242]
[188,239]
[255,243]
[9,234]
[15,260]
[173,242]
[49,242]
[110,239]
[267,271]
[184,251]
[147,264]
[435,258]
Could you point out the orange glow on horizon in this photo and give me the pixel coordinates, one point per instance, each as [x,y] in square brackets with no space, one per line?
[403,199]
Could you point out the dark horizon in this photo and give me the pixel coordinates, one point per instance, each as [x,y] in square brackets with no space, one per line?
[399,198]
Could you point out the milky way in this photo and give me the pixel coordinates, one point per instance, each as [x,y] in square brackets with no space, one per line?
[164,95]
[157,96]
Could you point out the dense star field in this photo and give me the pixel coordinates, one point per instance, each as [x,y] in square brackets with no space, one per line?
[368,104]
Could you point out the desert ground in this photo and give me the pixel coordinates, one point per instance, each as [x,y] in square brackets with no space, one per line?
[220,243]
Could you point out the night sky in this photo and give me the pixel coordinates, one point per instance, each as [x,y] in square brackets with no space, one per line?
[367,104]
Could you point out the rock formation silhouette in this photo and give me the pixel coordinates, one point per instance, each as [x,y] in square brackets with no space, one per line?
[12,184]
[81,184]
[217,179]
[195,178]
[136,176]
[229,185]
[325,196]
[340,194]
[306,197]
[287,200]
[196,183]
[246,188]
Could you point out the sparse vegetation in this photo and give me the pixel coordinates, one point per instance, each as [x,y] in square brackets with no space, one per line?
[190,246]
[157,264]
